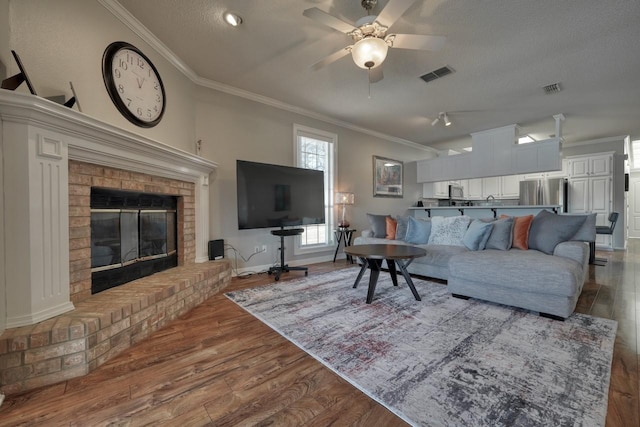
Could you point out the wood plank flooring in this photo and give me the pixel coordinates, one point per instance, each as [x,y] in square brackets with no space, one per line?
[220,366]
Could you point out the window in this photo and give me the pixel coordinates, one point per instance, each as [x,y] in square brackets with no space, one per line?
[315,149]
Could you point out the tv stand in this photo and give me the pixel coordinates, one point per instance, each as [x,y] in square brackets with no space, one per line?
[284,268]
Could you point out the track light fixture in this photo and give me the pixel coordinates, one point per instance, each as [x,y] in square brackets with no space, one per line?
[441,116]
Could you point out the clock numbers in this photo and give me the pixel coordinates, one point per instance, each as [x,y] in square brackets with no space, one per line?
[133,84]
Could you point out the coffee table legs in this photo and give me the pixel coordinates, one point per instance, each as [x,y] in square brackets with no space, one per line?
[403,269]
[375,265]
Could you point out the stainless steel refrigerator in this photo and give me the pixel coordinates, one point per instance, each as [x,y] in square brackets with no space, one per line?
[553,191]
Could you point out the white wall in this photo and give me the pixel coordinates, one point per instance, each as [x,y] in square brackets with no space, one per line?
[63,40]
[234,128]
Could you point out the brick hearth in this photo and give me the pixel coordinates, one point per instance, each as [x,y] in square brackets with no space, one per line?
[102,326]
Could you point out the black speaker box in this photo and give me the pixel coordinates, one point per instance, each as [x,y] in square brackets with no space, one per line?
[216,249]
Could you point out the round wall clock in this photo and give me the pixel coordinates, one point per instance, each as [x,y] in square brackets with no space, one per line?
[134,84]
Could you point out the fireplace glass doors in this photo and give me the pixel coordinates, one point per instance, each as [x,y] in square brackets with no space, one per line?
[132,235]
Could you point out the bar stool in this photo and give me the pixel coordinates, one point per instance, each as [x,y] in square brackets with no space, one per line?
[608,230]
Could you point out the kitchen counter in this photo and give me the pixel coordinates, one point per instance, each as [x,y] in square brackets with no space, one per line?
[482,211]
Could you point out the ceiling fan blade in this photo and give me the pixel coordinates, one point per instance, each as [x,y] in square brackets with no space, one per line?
[419,42]
[393,11]
[328,20]
[331,58]
[375,74]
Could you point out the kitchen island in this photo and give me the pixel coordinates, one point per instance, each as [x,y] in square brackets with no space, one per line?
[491,210]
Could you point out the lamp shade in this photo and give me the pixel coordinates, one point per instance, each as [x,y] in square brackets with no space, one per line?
[369,52]
[344,198]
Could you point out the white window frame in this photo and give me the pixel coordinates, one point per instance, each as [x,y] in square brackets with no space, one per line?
[330,181]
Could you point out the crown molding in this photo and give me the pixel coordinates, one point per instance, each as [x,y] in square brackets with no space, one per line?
[143,32]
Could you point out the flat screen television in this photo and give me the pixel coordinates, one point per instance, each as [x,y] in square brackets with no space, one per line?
[278,196]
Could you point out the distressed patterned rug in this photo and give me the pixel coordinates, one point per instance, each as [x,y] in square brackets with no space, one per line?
[445,361]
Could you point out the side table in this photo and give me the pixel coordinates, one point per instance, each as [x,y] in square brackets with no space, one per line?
[343,235]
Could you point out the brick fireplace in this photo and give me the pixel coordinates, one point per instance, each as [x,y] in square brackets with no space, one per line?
[82,177]
[51,327]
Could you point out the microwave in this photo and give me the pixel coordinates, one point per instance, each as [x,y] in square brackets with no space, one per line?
[456,191]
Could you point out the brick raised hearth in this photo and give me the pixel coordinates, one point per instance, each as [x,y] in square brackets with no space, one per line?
[102,326]
[51,327]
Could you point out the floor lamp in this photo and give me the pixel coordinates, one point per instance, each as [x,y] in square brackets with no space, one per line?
[344,199]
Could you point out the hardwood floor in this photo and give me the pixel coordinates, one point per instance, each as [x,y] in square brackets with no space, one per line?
[219,365]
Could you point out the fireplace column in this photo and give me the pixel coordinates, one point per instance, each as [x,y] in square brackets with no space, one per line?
[36,228]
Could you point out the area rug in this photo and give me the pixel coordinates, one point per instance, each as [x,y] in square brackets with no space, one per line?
[444,361]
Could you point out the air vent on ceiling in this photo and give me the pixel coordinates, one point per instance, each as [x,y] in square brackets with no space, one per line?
[552,88]
[436,74]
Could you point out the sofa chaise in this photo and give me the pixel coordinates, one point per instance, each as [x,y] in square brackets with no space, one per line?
[537,263]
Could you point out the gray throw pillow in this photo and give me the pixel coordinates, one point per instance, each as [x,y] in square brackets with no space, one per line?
[401,227]
[378,224]
[418,231]
[501,235]
[475,239]
[549,229]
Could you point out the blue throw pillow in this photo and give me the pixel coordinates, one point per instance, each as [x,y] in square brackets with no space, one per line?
[549,229]
[476,236]
[418,231]
[401,228]
[378,224]
[502,235]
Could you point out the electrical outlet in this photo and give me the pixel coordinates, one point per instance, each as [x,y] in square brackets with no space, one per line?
[264,248]
[256,250]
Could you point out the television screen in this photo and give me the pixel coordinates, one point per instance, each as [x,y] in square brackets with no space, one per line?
[278,196]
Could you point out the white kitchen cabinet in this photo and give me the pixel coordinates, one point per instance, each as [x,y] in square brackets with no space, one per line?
[590,165]
[563,173]
[501,187]
[510,187]
[537,156]
[435,190]
[474,189]
[591,190]
[491,187]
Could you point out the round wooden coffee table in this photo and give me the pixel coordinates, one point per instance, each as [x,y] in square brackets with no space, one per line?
[372,257]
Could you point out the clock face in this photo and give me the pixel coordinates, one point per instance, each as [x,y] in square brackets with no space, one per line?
[134,84]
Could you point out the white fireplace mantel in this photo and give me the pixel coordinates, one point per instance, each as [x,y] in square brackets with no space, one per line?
[37,139]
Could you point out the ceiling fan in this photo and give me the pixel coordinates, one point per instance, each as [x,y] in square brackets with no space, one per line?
[371,39]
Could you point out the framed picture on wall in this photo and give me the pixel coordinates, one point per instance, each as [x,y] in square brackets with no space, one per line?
[387,177]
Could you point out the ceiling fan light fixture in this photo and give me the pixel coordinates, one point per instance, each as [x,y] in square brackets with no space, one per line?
[232,19]
[369,52]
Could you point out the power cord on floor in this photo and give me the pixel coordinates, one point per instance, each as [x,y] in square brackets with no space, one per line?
[237,253]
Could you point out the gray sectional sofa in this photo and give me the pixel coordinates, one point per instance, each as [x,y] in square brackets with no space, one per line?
[546,278]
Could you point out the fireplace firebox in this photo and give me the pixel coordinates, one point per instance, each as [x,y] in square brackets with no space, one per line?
[133,235]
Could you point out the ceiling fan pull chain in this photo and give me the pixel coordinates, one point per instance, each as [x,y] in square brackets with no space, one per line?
[369,79]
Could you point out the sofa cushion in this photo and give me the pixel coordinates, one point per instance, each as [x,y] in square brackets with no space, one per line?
[448,230]
[401,228]
[549,229]
[477,235]
[378,224]
[440,255]
[418,231]
[391,228]
[501,235]
[530,271]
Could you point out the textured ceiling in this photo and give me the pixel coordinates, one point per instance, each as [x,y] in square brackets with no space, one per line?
[502,51]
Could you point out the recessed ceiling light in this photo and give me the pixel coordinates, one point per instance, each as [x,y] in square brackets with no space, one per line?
[232,19]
